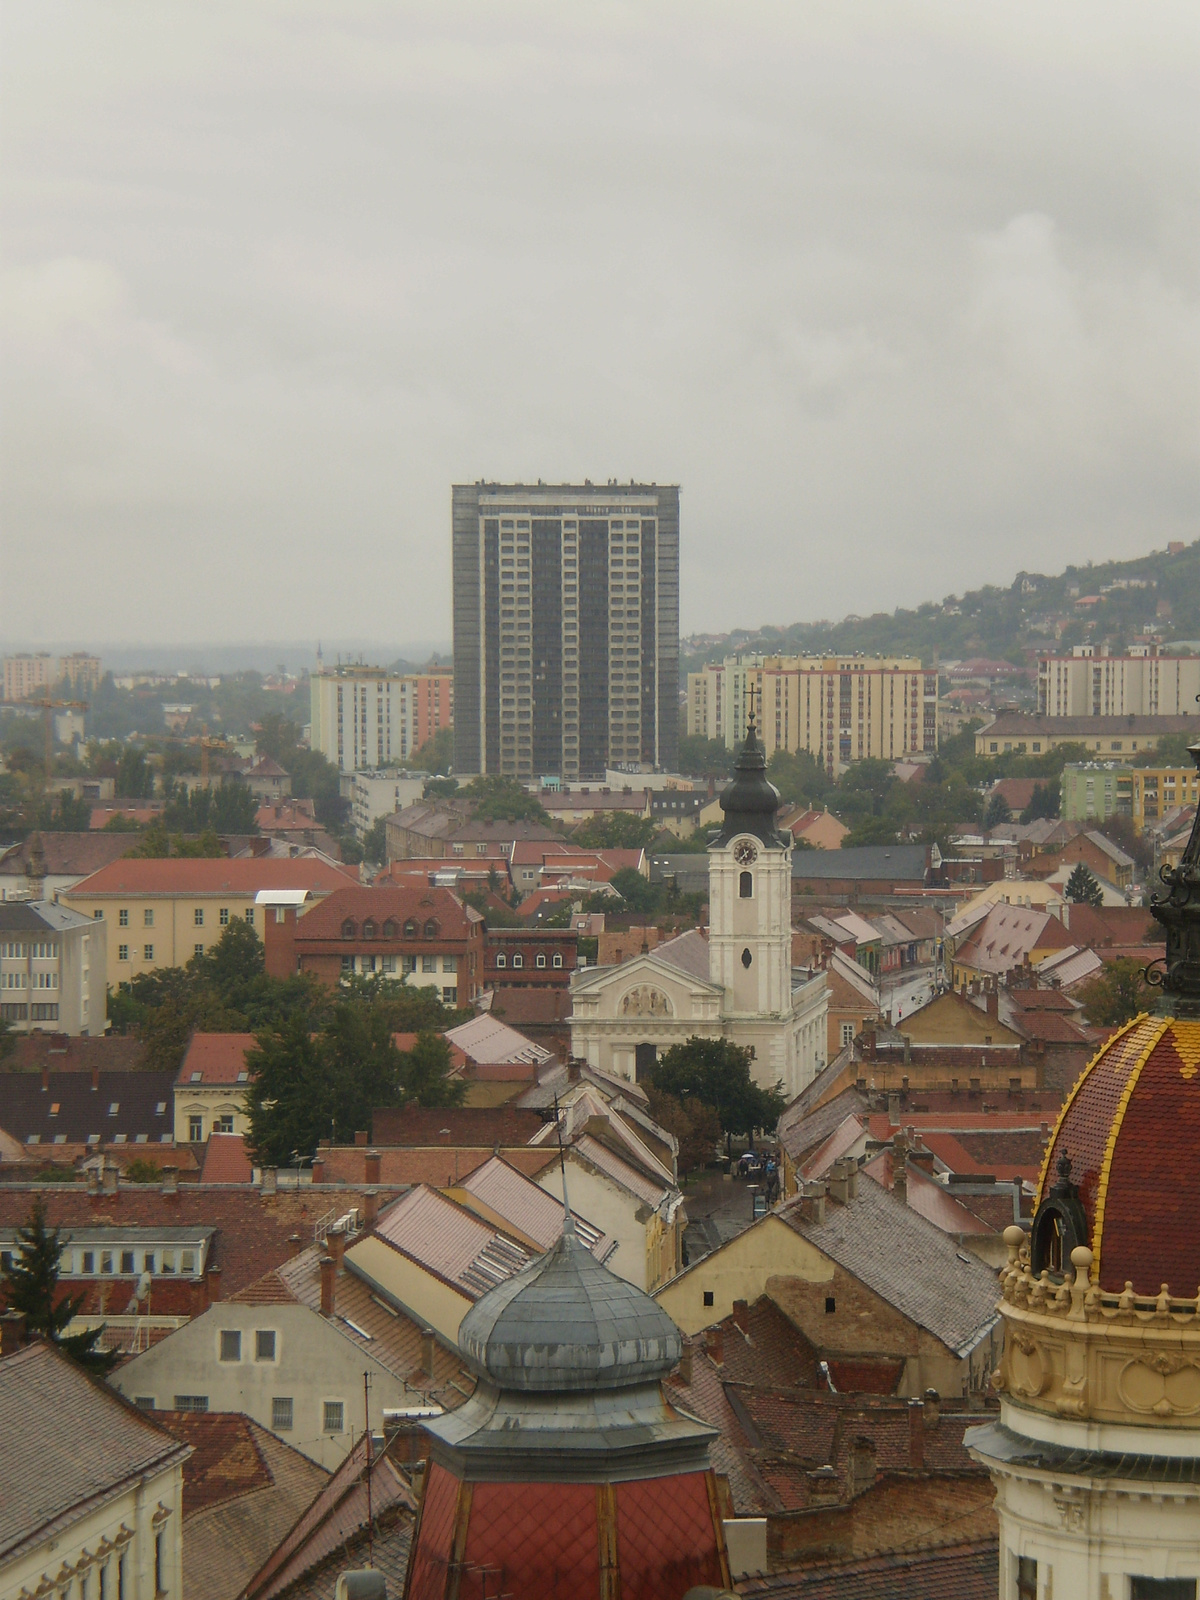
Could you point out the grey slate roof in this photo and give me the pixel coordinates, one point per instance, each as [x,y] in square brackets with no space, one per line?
[130,1107]
[907,1261]
[903,862]
[1004,1444]
[86,1441]
[567,1322]
[38,916]
[688,952]
[799,1133]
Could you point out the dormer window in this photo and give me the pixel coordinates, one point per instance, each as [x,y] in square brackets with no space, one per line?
[501,959]
[410,929]
[518,960]
[389,929]
[368,929]
[431,929]
[348,928]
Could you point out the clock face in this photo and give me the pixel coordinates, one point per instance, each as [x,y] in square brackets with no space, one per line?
[744,852]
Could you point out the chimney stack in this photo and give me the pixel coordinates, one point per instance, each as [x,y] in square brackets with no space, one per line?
[812,1204]
[45,1080]
[93,1180]
[839,1182]
[360,1136]
[900,1170]
[714,1344]
[170,1181]
[370,1208]
[318,1169]
[328,1271]
[111,1176]
[685,1364]
[12,1332]
[372,1167]
[335,1243]
[916,1434]
[212,1279]
[295,1244]
[894,1110]
[270,1181]
[428,1351]
[95,1079]
[993,1002]
[931,1405]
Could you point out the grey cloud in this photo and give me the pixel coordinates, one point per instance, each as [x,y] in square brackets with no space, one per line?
[904,296]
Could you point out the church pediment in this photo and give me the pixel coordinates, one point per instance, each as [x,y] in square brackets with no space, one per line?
[643,987]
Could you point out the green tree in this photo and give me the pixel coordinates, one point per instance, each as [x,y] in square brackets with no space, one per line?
[135,777]
[374,845]
[68,814]
[704,758]
[800,779]
[637,892]
[425,1071]
[1043,802]
[716,1072]
[496,798]
[696,1127]
[1116,994]
[30,1287]
[440,789]
[436,754]
[615,830]
[1082,888]
[140,1170]
[998,811]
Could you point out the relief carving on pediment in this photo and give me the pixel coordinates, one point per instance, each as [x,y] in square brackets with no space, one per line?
[646,1001]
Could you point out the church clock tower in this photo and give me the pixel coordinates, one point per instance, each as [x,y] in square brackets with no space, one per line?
[750,913]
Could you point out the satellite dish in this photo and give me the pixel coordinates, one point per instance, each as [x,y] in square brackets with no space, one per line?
[143,1287]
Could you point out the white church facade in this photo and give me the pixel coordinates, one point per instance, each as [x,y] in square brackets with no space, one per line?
[738,982]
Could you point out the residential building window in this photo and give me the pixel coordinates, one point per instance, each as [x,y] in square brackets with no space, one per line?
[195,1130]
[541,960]
[223,1123]
[223,916]
[408,964]
[123,917]
[197,949]
[431,929]
[1161,1588]
[449,963]
[830,1304]
[282,1411]
[264,1344]
[106,1261]
[160,1562]
[231,1344]
[334,1416]
[847,1034]
[708,1297]
[558,960]
[347,964]
[168,1265]
[449,994]
[144,1402]
[148,952]
[191,1402]
[148,917]
[518,960]
[428,963]
[187,1261]
[127,1262]
[501,960]
[198,916]
[250,915]
[89,1261]
[122,952]
[148,1261]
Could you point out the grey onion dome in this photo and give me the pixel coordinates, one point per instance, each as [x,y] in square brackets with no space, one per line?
[566,1322]
[751,801]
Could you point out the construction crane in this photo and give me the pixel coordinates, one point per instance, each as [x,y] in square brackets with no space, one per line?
[48,708]
[207,744]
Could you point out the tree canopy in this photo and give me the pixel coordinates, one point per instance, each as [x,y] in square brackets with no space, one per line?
[1118,993]
[497,798]
[716,1073]
[615,830]
[1082,888]
[31,1285]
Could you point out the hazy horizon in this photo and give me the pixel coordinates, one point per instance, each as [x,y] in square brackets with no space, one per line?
[905,298]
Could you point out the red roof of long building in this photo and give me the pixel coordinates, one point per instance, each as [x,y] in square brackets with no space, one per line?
[187,876]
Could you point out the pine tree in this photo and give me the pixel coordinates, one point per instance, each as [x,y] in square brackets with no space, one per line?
[1082,888]
[29,1286]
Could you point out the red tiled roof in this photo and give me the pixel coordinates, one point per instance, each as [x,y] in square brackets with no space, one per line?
[225,1461]
[325,920]
[951,1572]
[865,1377]
[455,1125]
[441,1166]
[528,1007]
[217,1057]
[187,876]
[225,1160]
[110,1052]
[66,853]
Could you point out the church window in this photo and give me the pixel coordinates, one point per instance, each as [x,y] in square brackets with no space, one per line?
[1160,1588]
[1026,1578]
[747,958]
[746,885]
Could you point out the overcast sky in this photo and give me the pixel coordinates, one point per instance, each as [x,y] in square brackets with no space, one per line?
[904,295]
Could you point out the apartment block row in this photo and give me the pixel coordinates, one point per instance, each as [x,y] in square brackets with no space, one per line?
[369,717]
[27,674]
[838,709]
[1089,683]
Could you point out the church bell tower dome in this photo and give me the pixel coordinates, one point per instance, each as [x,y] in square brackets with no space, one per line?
[1096,1457]
[751,801]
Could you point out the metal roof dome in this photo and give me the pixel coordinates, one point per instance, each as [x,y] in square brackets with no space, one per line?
[566,1322]
[751,801]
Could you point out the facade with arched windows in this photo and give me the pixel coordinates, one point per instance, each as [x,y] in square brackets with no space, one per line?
[736,981]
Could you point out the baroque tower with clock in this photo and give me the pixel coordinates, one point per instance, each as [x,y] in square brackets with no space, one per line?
[733,980]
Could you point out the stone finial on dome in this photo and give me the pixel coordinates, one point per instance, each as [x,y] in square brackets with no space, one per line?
[1178,909]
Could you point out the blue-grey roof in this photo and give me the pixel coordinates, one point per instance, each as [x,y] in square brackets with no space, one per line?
[906,862]
[566,1322]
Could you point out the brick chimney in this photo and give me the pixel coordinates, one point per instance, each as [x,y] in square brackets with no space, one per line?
[714,1344]
[170,1182]
[869,1039]
[318,1169]
[993,1002]
[270,1182]
[12,1332]
[212,1282]
[360,1136]
[839,1182]
[295,1244]
[900,1169]
[894,1110]
[916,1434]
[685,1364]
[279,941]
[111,1178]
[93,1182]
[931,1404]
[372,1167]
[335,1243]
[741,1312]
[328,1293]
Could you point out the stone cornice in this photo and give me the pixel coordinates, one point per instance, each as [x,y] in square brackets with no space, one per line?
[1072,1350]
